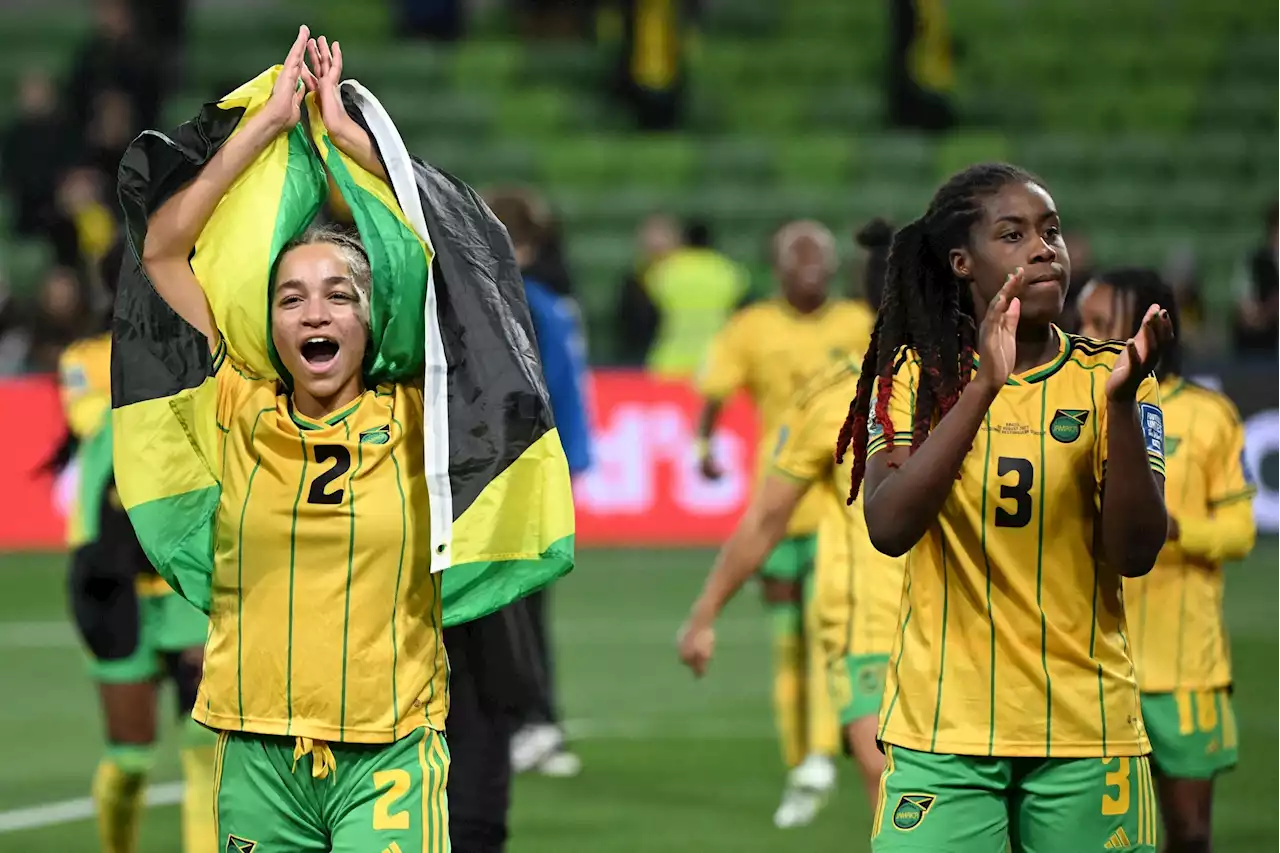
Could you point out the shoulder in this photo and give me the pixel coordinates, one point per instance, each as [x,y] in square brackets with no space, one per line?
[837,380]
[1091,353]
[1210,403]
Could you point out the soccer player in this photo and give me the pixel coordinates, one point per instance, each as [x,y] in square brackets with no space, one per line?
[1176,629]
[856,589]
[136,629]
[1022,471]
[325,672]
[770,350]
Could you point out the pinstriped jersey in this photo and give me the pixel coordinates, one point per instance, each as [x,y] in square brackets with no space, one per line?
[325,619]
[1012,635]
[1175,612]
[858,588]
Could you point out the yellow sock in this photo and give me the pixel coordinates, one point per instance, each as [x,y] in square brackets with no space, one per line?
[823,725]
[117,795]
[789,683]
[199,834]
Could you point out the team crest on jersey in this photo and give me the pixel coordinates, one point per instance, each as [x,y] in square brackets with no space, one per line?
[1152,420]
[236,844]
[874,428]
[1171,443]
[911,809]
[381,435]
[1067,424]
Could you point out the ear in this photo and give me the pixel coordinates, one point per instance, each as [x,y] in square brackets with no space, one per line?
[961,263]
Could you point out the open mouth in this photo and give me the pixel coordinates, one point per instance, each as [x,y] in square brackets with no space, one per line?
[319,351]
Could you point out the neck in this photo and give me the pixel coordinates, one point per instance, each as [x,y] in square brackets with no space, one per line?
[318,407]
[805,304]
[1037,345]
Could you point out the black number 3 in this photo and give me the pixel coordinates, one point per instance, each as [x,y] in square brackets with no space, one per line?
[1019,492]
[341,464]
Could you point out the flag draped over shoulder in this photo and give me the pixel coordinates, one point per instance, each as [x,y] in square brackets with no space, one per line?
[447,307]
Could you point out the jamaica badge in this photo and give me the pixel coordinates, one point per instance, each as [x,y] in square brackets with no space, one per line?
[1067,423]
[911,809]
[235,844]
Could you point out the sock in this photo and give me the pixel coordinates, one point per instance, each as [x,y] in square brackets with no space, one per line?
[117,795]
[822,727]
[199,834]
[788,681]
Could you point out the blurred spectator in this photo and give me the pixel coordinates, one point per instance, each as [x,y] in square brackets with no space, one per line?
[1080,249]
[652,63]
[32,151]
[695,289]
[1257,291]
[111,128]
[163,24]
[441,20]
[85,224]
[635,315]
[62,315]
[921,75]
[1182,272]
[875,238]
[114,57]
[558,19]
[15,336]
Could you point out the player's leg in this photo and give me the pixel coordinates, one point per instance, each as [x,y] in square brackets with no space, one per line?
[391,798]
[264,799]
[539,742]
[181,637]
[112,623]
[1193,739]
[1067,805]
[857,685]
[931,803]
[822,727]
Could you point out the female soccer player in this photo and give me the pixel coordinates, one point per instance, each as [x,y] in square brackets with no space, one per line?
[1022,471]
[136,629]
[324,671]
[1176,629]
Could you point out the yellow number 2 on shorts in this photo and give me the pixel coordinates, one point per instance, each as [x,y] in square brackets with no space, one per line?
[397,783]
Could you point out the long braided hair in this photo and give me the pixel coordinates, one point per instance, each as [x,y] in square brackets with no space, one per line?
[1147,287]
[925,310]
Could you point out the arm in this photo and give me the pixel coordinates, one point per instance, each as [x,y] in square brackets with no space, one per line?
[723,373]
[1225,536]
[1134,523]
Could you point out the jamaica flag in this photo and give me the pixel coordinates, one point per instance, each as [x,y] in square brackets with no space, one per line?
[447,304]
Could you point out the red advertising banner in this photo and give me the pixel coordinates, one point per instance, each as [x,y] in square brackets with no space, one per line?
[644,487]
[30,432]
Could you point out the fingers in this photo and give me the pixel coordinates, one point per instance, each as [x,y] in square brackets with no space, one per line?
[1012,288]
[325,55]
[313,55]
[337,62]
[299,45]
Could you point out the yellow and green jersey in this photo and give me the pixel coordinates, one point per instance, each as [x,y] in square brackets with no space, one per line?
[858,588]
[1175,612]
[694,290]
[325,618]
[84,384]
[1012,639]
[770,350]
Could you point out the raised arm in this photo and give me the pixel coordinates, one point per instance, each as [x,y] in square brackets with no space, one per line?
[173,229]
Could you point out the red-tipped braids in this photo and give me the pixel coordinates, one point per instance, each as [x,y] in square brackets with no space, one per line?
[925,311]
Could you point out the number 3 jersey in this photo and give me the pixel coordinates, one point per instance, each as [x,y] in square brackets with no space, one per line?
[1012,637]
[325,619]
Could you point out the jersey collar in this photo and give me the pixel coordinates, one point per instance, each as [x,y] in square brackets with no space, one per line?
[1044,371]
[305,423]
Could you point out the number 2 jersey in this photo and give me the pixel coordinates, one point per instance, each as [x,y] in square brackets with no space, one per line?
[1012,638]
[325,619]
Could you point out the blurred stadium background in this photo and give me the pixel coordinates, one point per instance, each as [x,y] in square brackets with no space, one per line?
[1154,123]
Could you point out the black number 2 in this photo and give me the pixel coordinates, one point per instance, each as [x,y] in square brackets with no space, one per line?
[1019,492]
[341,464]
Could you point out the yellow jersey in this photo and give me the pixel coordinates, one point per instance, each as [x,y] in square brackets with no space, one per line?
[325,618]
[770,350]
[84,385]
[1012,636]
[1175,612]
[858,588]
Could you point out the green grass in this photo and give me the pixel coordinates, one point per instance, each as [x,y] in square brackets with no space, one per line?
[669,764]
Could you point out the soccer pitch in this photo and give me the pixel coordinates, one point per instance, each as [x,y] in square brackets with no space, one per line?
[669,764]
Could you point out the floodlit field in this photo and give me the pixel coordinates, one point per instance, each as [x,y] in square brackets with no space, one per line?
[669,764]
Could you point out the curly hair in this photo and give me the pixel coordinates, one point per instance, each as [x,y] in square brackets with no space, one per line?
[1148,287]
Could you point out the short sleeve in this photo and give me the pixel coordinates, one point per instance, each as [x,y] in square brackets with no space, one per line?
[1150,421]
[806,444]
[901,408]
[725,368]
[1229,478]
[235,384]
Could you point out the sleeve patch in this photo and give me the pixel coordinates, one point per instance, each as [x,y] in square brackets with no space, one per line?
[1152,420]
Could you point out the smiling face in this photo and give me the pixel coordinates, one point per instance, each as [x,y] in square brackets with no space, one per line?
[318,326]
[1019,228]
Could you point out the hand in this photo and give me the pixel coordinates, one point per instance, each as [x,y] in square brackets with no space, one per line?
[1142,354]
[997,336]
[284,107]
[696,643]
[327,64]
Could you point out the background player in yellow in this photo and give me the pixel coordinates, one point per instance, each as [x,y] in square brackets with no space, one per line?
[1024,485]
[769,350]
[325,672]
[857,590]
[1176,629]
[136,629]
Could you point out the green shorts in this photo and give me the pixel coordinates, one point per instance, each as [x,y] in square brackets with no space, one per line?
[857,684]
[792,560]
[166,623]
[969,804]
[1193,732]
[376,797]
